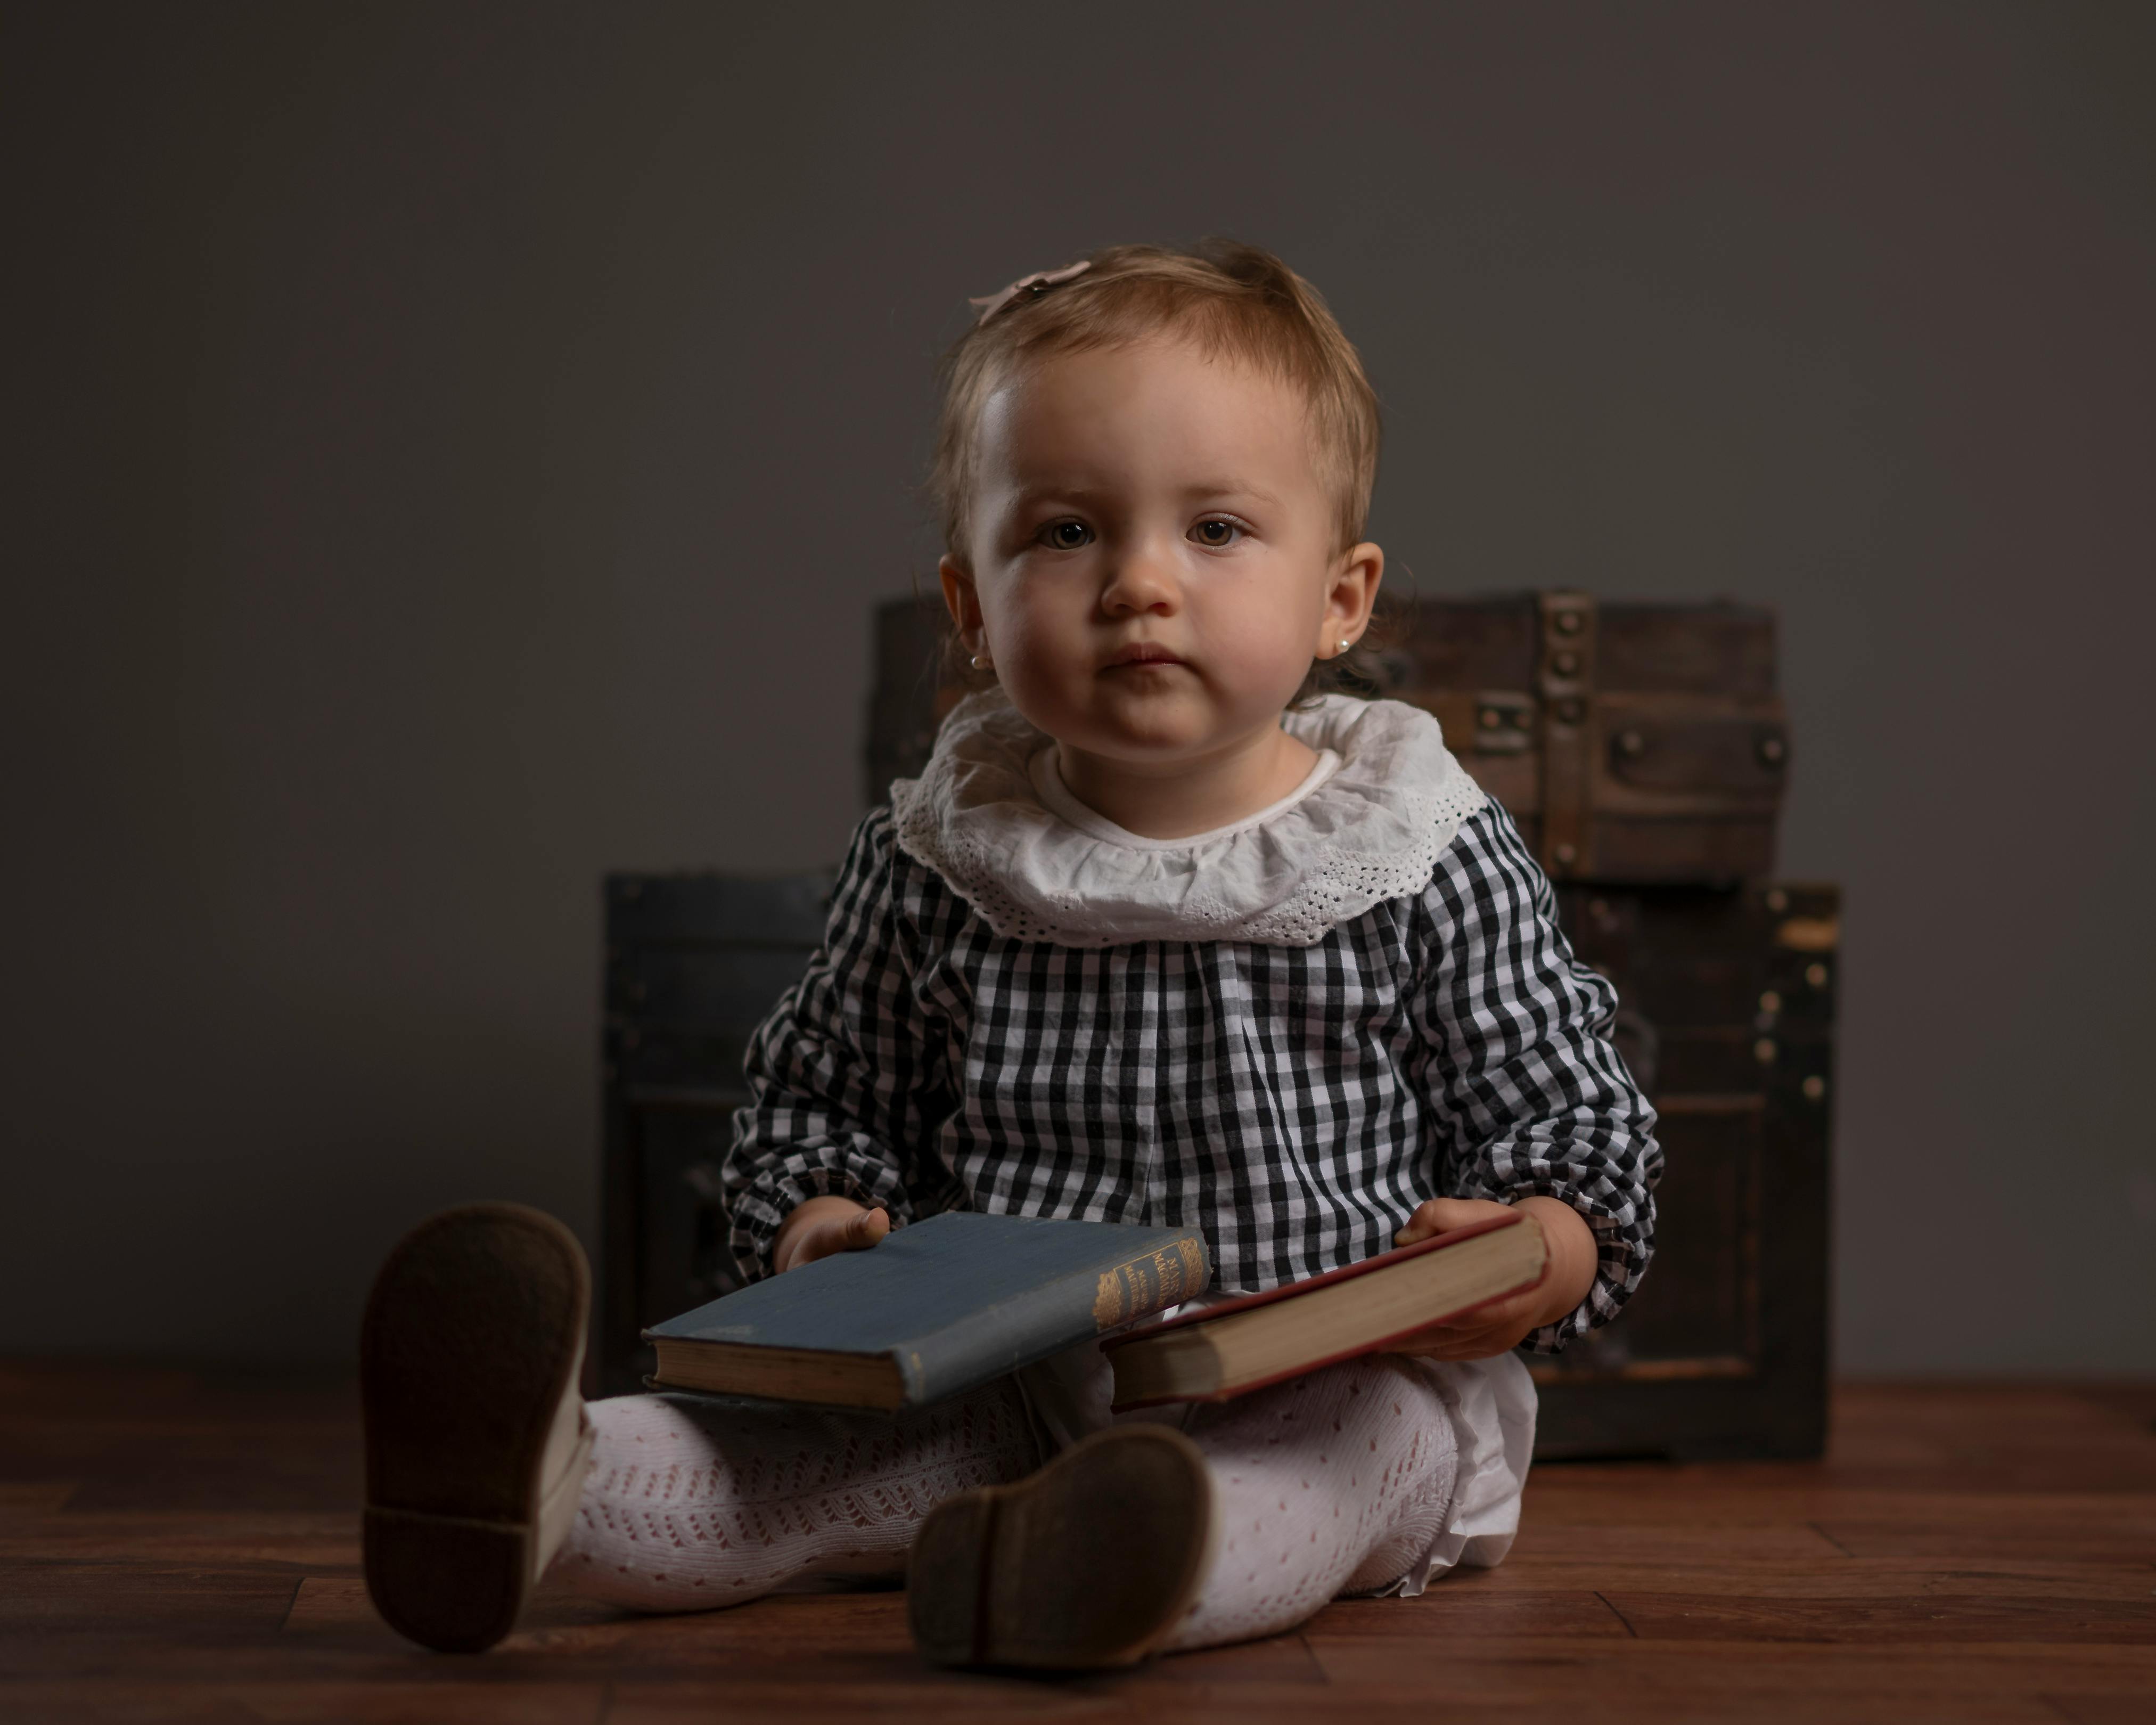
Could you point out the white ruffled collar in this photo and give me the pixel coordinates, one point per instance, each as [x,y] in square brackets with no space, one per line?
[1055,796]
[1367,826]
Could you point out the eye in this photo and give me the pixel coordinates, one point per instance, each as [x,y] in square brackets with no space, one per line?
[1217,532]
[1065,536]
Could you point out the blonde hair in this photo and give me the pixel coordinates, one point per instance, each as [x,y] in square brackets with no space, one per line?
[1235,301]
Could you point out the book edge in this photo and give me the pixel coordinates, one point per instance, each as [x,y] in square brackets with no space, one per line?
[1073,1286]
[1167,1238]
[898,1376]
[1317,1365]
[919,1379]
[1265,1297]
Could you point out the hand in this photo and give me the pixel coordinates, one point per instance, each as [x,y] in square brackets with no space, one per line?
[824,1225]
[1502,1326]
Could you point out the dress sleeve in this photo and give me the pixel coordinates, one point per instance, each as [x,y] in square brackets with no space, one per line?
[844,1077]
[1532,1096]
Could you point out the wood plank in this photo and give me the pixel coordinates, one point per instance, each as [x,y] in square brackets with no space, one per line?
[1948,1540]
[967,1696]
[1546,1537]
[1705,1495]
[59,1618]
[1735,1677]
[1993,1436]
[313,1540]
[1467,1606]
[128,1701]
[29,1502]
[1928,1617]
[176,1547]
[1828,1578]
[2133,1709]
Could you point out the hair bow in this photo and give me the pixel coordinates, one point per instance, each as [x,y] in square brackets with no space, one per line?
[1036,283]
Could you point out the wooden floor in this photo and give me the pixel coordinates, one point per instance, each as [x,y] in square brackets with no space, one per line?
[174,1548]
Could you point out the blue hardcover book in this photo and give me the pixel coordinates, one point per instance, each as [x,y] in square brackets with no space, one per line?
[929,1310]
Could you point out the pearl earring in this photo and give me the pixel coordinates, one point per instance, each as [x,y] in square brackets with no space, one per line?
[979,664]
[1344,645]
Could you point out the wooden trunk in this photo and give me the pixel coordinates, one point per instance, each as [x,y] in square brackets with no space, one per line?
[1633,744]
[693,963]
[1641,747]
[905,701]
[1728,1022]
[1729,1000]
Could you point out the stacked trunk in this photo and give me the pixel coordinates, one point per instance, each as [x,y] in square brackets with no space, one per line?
[693,963]
[1642,750]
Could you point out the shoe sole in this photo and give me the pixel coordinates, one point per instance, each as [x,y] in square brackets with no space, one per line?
[1087,1565]
[474,1333]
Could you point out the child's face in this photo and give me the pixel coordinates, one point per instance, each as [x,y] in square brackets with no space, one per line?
[1154,557]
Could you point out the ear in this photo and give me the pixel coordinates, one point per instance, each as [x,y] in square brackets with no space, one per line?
[964,601]
[1348,598]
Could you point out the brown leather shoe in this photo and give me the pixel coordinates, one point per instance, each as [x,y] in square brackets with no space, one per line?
[1088,1564]
[476,1439]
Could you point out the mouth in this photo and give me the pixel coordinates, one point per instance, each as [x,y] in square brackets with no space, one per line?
[1142,652]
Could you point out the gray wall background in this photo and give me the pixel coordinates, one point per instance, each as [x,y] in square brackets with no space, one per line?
[453,451]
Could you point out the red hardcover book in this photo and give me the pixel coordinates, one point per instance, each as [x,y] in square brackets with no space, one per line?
[1248,1342]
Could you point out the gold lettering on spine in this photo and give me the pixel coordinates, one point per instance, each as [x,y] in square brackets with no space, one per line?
[1153,1283]
[1108,1301]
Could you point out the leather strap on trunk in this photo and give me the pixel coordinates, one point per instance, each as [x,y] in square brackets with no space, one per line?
[1565,681]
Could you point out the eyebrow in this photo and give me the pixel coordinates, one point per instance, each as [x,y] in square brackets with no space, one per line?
[1028,492]
[1230,488]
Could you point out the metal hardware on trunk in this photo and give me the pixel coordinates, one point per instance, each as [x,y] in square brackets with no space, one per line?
[1504,724]
[1565,681]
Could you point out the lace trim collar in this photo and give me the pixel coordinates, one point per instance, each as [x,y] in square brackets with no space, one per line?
[1367,827]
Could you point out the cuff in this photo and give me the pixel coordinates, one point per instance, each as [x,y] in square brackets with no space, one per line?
[760,1210]
[1621,1253]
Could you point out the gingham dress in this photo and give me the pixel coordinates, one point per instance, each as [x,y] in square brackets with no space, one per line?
[1294,1103]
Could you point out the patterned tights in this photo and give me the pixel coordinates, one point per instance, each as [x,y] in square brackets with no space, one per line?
[1334,1483]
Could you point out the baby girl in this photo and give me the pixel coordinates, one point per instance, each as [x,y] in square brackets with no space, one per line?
[1165,933]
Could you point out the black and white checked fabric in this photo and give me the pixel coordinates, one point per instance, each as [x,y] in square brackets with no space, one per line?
[1293,1103]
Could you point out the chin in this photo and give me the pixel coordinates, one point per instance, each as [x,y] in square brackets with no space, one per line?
[1141,739]
[1136,728]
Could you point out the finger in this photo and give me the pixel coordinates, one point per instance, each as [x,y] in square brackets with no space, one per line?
[1447,1343]
[1469,1340]
[1418,1226]
[825,1238]
[865,1229]
[819,1239]
[1515,1313]
[1438,1215]
[1479,1347]
[1428,1219]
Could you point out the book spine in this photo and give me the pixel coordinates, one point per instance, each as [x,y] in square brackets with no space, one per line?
[1050,1319]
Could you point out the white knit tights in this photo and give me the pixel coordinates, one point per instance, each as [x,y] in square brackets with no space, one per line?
[693,1504]
[1335,1482]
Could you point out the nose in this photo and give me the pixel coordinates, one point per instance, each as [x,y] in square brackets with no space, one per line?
[1141,581]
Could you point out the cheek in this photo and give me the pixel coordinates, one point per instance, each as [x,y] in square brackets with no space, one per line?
[1033,620]
[1278,624]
